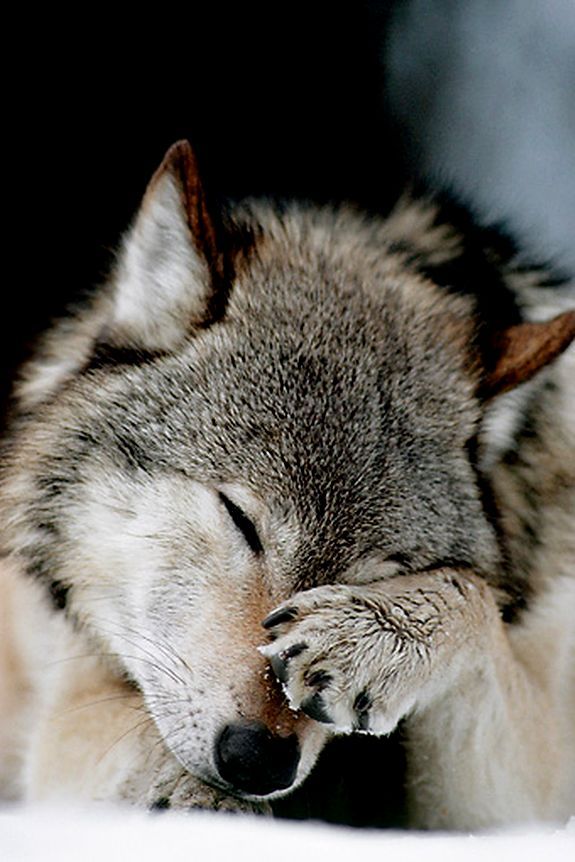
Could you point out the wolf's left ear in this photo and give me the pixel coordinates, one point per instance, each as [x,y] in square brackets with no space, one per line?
[171,275]
[517,353]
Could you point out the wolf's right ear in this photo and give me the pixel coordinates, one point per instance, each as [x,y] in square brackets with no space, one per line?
[171,274]
[516,354]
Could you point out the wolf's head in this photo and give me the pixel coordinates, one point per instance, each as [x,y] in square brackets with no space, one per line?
[254,405]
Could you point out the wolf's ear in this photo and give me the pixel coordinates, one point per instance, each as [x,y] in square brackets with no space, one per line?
[171,275]
[518,352]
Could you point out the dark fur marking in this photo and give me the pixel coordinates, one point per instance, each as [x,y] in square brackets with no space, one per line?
[513,610]
[319,679]
[518,461]
[85,441]
[51,487]
[59,595]
[314,707]
[38,568]
[361,706]
[458,587]
[516,590]
[362,702]
[477,269]
[402,560]
[134,455]
[46,526]
[106,355]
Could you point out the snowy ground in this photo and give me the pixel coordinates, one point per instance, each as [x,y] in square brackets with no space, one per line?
[58,835]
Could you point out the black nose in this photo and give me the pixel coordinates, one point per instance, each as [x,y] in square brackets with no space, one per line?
[253,760]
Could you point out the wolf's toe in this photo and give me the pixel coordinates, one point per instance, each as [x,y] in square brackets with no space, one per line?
[280,661]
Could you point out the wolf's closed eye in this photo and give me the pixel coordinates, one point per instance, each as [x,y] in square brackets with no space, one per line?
[243,523]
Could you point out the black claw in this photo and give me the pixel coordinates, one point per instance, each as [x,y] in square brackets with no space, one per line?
[319,679]
[279,667]
[294,650]
[315,708]
[283,615]
[280,661]
[361,705]
[160,804]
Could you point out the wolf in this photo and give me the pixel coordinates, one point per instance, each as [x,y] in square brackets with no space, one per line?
[295,472]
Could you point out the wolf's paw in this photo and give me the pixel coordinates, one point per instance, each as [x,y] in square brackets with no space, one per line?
[362,658]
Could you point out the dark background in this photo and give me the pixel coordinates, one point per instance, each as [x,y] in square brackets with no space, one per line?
[282,99]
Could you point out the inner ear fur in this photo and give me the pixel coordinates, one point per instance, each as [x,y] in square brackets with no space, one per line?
[172,274]
[516,354]
[203,220]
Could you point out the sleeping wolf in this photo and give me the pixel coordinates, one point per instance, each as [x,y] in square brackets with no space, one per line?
[356,431]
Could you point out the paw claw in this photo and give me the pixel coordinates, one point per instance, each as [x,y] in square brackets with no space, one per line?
[280,661]
[281,615]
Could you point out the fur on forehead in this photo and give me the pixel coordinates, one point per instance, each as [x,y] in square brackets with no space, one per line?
[318,264]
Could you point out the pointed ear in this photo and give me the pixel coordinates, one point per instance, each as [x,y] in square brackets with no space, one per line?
[517,353]
[171,274]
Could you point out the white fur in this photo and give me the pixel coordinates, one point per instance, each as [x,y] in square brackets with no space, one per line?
[162,281]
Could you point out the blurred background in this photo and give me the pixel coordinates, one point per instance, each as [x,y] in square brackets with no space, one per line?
[315,100]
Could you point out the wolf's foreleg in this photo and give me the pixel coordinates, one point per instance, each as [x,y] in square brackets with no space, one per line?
[483,736]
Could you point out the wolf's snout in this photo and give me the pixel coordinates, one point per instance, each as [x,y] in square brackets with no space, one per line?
[254,760]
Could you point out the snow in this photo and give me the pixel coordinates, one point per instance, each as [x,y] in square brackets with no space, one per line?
[59,834]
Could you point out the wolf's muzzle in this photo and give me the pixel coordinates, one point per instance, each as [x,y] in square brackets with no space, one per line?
[255,761]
